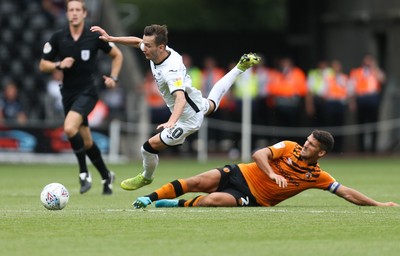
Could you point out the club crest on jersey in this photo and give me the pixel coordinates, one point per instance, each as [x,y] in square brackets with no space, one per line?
[85,55]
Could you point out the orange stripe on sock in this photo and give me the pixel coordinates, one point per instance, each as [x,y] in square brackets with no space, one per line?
[184,185]
[166,192]
[192,202]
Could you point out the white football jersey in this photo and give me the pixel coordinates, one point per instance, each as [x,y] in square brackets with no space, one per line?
[170,76]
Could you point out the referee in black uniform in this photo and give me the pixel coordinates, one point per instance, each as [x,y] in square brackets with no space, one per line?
[74,51]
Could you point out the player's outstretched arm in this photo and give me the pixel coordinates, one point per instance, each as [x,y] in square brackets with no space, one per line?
[132,41]
[356,197]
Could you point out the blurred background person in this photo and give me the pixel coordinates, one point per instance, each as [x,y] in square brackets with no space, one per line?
[195,74]
[366,82]
[193,71]
[11,107]
[317,83]
[287,93]
[210,74]
[159,112]
[99,114]
[336,101]
[54,98]
[262,113]
[246,85]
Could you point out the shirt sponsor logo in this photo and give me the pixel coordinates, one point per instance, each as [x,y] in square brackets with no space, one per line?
[279,145]
[178,82]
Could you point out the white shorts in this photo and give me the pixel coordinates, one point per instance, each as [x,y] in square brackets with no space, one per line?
[185,126]
[176,135]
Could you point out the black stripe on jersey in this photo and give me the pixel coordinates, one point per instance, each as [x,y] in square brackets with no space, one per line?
[313,170]
[299,169]
[191,103]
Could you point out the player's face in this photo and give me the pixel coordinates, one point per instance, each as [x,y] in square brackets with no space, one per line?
[311,149]
[151,50]
[75,13]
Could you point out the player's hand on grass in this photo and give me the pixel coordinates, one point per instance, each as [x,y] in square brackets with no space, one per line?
[388,204]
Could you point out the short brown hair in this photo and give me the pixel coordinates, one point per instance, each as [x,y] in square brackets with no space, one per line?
[159,31]
[82,1]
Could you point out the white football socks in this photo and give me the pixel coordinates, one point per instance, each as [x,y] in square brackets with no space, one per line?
[223,85]
[150,163]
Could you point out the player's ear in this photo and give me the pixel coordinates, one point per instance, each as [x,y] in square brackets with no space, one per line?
[162,47]
[321,153]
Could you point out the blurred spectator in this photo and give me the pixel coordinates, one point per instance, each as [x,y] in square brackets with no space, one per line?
[366,82]
[159,112]
[211,73]
[11,108]
[55,109]
[336,101]
[287,94]
[246,85]
[195,74]
[193,71]
[55,9]
[114,98]
[265,77]
[317,83]
[98,115]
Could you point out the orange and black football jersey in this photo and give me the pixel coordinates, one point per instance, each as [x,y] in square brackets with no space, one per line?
[286,161]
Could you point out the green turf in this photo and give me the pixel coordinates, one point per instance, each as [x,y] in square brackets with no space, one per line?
[313,223]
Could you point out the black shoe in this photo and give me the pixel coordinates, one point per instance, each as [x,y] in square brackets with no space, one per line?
[85,179]
[107,183]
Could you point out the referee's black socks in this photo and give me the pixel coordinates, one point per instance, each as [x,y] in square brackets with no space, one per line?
[94,155]
[79,150]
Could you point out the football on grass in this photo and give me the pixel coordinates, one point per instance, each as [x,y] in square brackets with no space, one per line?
[54,196]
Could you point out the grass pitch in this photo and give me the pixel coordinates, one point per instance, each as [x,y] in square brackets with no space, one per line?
[313,223]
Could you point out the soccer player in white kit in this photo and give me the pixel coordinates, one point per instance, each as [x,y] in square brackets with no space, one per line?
[187,105]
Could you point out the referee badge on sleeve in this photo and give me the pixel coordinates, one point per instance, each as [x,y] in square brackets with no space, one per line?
[47,48]
[85,55]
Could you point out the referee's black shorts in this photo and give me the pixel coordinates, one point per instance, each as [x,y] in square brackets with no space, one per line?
[83,103]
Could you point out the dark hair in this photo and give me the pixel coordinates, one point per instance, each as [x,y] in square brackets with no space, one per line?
[325,139]
[159,31]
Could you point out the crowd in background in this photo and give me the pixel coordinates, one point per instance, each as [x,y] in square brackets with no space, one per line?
[286,95]
[283,94]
